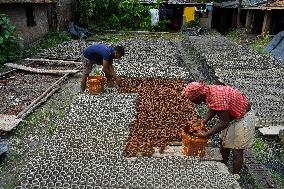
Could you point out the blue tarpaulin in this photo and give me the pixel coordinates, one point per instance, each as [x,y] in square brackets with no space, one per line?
[3,148]
[75,30]
[276,46]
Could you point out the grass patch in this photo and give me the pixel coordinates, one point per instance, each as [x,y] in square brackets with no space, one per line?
[9,165]
[278,178]
[260,148]
[49,40]
[109,38]
[239,34]
[270,150]
[13,184]
[114,38]
[51,130]
[171,36]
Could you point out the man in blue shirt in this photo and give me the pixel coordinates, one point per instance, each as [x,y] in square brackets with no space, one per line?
[100,54]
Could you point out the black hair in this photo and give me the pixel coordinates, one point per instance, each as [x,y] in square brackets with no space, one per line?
[120,50]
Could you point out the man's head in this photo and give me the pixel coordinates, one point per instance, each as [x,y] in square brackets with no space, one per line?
[119,51]
[195,91]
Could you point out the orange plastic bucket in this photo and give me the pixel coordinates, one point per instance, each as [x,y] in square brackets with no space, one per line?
[96,84]
[192,145]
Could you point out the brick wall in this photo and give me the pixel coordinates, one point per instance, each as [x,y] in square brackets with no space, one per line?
[17,15]
[64,13]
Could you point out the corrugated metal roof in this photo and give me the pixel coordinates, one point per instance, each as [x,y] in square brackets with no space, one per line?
[276,3]
[176,1]
[151,1]
[187,1]
[246,3]
[27,1]
[261,4]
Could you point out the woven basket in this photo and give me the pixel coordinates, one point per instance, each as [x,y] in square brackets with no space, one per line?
[96,84]
[192,145]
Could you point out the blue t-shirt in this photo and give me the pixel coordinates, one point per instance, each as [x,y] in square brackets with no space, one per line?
[99,52]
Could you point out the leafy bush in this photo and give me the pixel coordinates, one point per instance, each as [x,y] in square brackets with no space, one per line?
[98,13]
[236,33]
[10,44]
[114,14]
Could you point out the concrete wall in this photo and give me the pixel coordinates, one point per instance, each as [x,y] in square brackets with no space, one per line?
[207,22]
[64,13]
[17,15]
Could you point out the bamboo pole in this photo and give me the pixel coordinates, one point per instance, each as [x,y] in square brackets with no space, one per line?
[42,95]
[40,71]
[42,100]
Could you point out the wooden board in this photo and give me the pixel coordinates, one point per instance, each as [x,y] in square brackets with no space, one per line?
[271,130]
[40,71]
[8,122]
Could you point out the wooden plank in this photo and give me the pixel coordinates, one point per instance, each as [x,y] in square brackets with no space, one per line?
[40,71]
[8,122]
[271,130]
[53,61]
[211,154]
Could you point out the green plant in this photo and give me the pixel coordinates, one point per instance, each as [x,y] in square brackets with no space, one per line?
[277,177]
[193,23]
[236,33]
[10,44]
[260,148]
[260,43]
[163,25]
[51,130]
[190,24]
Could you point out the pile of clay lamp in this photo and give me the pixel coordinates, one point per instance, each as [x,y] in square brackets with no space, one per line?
[162,113]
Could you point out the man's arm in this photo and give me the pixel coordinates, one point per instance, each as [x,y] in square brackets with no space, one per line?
[210,114]
[109,70]
[224,120]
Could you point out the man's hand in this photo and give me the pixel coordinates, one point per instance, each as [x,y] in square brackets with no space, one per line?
[204,122]
[118,81]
